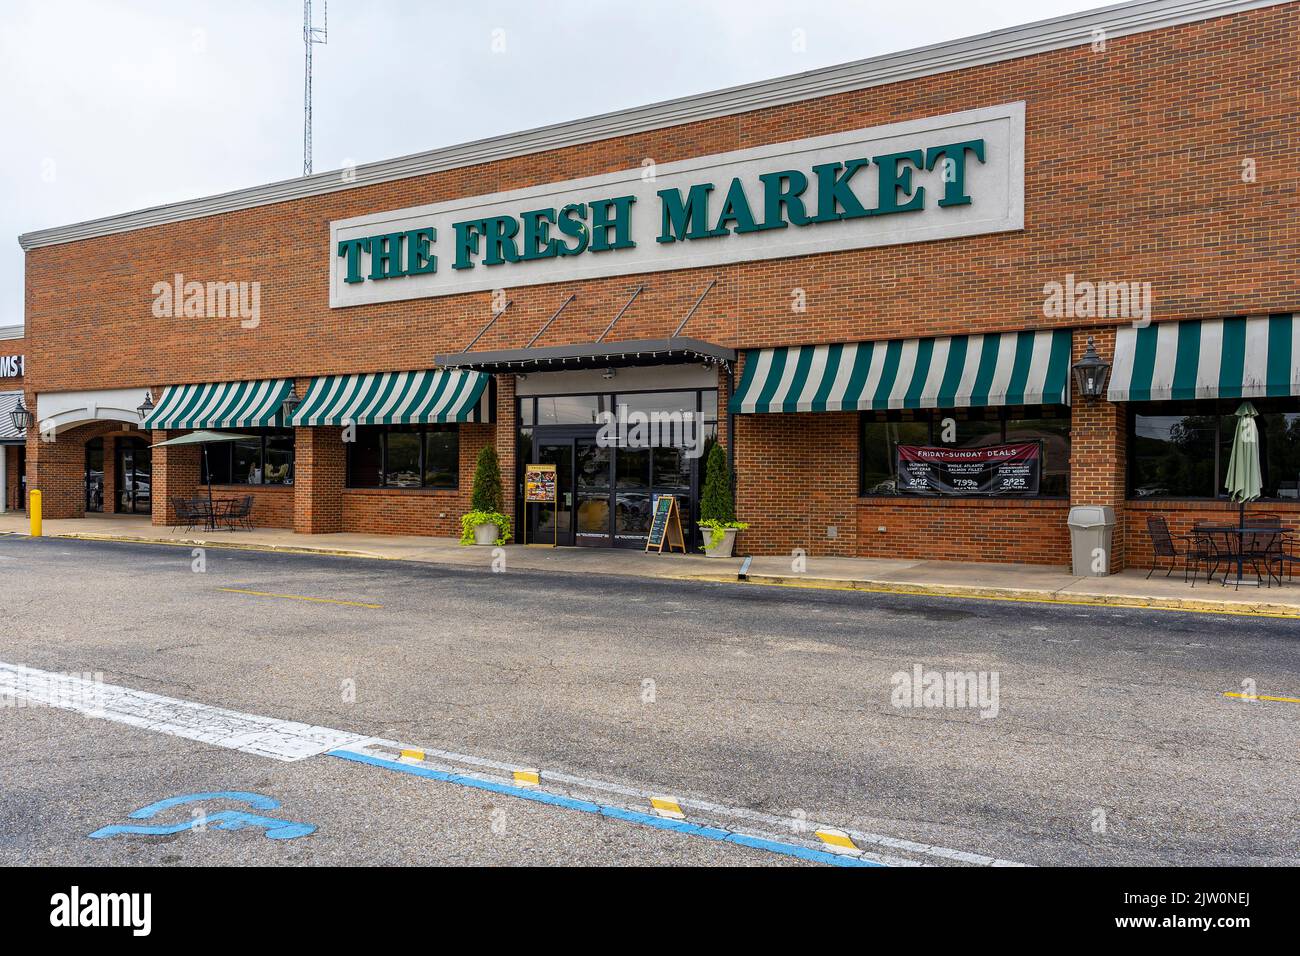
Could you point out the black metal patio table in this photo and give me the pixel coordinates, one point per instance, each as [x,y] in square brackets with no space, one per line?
[1237,551]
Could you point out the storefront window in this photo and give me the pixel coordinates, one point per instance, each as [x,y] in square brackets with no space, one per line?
[441,457]
[1181,449]
[882,432]
[264,457]
[404,456]
[571,409]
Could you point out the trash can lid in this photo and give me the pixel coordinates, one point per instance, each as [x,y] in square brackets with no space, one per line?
[1092,516]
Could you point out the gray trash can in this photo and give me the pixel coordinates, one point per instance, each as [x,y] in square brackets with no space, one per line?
[1091,527]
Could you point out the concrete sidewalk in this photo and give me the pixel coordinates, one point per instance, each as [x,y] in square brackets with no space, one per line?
[1007,582]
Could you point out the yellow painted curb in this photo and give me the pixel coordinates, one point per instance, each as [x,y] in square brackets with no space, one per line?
[668,807]
[412,754]
[528,778]
[1281,611]
[837,840]
[222,545]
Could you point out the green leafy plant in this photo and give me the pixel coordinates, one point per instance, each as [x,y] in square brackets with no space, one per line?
[717,504]
[468,522]
[485,499]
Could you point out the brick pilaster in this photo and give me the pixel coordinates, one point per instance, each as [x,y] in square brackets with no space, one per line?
[319,473]
[1099,445]
[507,442]
[176,473]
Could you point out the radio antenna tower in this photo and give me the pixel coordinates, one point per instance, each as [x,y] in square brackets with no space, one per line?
[310,36]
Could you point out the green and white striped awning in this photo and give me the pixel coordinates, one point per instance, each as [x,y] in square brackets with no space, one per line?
[1207,358]
[1008,368]
[397,398]
[220,405]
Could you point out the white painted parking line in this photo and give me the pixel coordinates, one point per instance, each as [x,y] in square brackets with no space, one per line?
[794,835]
[247,733]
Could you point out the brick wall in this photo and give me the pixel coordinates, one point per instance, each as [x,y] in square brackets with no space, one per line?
[796,477]
[273,505]
[176,471]
[1001,530]
[1182,515]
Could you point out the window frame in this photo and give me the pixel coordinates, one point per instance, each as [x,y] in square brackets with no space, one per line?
[1224,412]
[930,416]
[421,431]
[261,434]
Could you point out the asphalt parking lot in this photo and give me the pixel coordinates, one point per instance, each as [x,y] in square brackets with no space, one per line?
[1108,741]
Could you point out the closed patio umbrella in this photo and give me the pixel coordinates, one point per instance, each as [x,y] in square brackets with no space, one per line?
[203,438]
[1243,483]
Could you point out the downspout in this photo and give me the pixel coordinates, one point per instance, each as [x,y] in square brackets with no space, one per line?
[731,430]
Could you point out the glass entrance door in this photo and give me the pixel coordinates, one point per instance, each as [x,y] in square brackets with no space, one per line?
[582,471]
[554,523]
[95,474]
[592,465]
[134,477]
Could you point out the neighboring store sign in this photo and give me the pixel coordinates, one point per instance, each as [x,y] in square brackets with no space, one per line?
[11,366]
[992,470]
[955,175]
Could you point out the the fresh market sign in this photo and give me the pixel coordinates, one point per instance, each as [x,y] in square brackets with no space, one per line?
[955,175]
[11,366]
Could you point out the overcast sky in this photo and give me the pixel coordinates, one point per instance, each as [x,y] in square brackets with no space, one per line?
[113,105]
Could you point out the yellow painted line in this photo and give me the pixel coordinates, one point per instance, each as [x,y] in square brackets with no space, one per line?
[668,807]
[413,754]
[300,597]
[529,778]
[837,840]
[1284,700]
[921,591]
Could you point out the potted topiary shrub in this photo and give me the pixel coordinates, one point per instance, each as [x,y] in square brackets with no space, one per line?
[718,508]
[485,524]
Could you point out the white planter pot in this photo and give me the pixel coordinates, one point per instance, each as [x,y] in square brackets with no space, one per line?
[725,546]
[485,534]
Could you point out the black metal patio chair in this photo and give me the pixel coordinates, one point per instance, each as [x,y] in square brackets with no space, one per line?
[189,512]
[1167,545]
[239,512]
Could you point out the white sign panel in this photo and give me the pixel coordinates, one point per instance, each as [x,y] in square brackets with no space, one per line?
[938,178]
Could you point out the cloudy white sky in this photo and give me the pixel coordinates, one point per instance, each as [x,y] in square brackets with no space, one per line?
[113,105]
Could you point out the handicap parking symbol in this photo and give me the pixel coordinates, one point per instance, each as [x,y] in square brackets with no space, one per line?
[273,827]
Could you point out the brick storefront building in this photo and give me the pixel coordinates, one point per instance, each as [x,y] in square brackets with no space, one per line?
[12,445]
[909,251]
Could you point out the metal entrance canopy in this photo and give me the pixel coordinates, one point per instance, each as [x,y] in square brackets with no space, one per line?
[675,350]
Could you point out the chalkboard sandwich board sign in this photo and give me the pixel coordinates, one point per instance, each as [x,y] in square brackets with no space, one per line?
[666,528]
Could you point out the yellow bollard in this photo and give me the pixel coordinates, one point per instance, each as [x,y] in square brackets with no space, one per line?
[34,510]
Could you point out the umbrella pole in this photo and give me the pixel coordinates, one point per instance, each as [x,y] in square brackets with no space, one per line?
[212,523]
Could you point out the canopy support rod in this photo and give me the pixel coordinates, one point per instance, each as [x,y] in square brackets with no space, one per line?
[626,305]
[491,322]
[707,289]
[563,306]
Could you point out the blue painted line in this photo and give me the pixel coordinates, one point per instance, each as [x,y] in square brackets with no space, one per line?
[604,810]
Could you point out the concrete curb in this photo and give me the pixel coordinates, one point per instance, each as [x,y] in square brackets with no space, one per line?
[224,545]
[1029,595]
